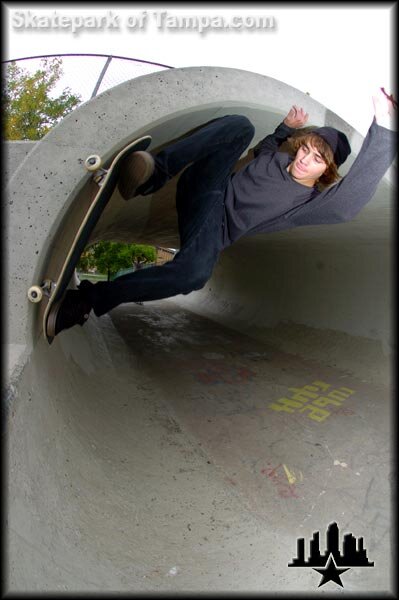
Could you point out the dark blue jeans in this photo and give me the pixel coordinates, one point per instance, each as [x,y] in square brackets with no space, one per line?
[213,151]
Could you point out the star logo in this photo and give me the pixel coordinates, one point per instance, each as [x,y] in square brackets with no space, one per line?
[330,572]
[334,561]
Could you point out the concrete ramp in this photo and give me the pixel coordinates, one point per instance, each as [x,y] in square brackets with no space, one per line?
[187,444]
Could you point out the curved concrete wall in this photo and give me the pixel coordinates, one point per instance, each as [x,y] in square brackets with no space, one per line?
[319,293]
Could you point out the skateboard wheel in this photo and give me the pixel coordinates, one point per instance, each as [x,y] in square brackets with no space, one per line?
[35,293]
[93,162]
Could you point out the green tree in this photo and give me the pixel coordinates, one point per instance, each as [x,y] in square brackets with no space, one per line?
[110,257]
[86,261]
[142,254]
[29,109]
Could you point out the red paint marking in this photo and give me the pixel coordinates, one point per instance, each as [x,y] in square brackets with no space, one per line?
[273,471]
[229,480]
[284,490]
[288,492]
[343,411]
[220,373]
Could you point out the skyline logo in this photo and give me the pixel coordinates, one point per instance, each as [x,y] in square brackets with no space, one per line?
[354,555]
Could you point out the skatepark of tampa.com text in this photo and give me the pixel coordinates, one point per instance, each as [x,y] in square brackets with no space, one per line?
[75,24]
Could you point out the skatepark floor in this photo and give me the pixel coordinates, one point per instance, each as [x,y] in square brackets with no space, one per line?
[160,455]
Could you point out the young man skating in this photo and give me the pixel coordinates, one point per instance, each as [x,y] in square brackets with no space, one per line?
[216,207]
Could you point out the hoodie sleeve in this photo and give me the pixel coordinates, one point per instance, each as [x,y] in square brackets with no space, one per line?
[343,201]
[271,142]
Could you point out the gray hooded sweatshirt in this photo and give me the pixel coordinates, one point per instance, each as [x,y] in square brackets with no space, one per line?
[262,197]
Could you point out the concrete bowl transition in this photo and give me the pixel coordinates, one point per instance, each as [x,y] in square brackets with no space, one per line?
[188,444]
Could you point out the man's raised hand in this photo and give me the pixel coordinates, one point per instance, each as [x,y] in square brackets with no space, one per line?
[385,109]
[296,118]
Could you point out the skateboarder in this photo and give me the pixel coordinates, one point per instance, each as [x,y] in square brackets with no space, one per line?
[215,207]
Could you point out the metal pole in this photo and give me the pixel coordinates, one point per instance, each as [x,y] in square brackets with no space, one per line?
[101,76]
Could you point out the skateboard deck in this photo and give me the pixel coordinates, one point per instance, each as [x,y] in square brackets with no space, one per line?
[100,190]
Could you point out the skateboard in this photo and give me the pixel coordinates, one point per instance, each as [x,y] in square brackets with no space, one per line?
[88,209]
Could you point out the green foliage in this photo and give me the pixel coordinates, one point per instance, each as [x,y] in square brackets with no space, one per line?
[143,254]
[111,257]
[29,110]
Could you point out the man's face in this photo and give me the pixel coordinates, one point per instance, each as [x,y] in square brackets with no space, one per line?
[307,166]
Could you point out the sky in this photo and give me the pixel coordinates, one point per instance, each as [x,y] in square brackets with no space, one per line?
[338,53]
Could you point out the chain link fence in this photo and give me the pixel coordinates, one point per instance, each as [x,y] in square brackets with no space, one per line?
[88,75]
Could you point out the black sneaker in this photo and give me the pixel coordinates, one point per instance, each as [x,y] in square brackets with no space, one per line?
[73,309]
[136,171]
[85,286]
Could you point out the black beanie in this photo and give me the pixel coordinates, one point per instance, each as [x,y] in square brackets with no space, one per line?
[337,141]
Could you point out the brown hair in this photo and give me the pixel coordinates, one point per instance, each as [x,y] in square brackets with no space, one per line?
[309,136]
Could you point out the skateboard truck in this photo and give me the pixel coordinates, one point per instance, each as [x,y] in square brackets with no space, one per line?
[99,176]
[94,163]
[36,292]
